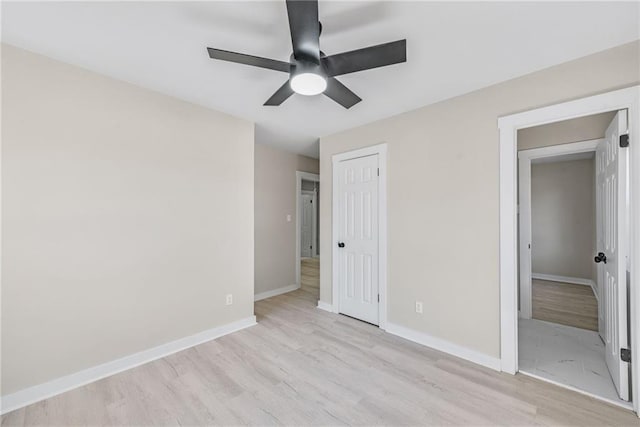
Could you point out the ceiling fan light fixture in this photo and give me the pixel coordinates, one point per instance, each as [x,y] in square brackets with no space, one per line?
[308,84]
[311,72]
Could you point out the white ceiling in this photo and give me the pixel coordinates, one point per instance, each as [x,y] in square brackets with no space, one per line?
[453,48]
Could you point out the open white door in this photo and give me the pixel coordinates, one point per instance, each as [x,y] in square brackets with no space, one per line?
[612,235]
[357,187]
[600,184]
[306,235]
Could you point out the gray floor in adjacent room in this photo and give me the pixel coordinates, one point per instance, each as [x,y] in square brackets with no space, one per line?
[566,355]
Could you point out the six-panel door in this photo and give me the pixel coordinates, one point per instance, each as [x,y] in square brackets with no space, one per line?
[612,238]
[357,244]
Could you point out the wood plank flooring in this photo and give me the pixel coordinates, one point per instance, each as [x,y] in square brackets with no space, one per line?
[310,274]
[303,366]
[564,303]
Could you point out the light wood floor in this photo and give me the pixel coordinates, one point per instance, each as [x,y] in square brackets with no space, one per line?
[310,274]
[304,366]
[564,303]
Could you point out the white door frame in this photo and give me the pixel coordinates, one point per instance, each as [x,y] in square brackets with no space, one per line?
[381,151]
[524,183]
[629,99]
[300,176]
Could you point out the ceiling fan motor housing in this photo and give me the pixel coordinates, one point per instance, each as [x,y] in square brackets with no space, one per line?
[301,66]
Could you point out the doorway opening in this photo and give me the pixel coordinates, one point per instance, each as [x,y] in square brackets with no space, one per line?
[541,282]
[308,233]
[570,212]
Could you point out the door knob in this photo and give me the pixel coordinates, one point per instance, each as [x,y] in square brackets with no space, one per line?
[341,244]
[601,257]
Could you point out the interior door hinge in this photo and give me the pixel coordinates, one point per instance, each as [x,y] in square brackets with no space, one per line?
[624,141]
[625,354]
[378,171]
[378,297]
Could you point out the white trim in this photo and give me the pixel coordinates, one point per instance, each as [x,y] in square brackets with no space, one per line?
[525,237]
[605,102]
[314,225]
[629,99]
[381,151]
[60,385]
[316,222]
[620,403]
[434,343]
[560,150]
[563,279]
[325,306]
[275,292]
[444,346]
[508,253]
[524,209]
[299,177]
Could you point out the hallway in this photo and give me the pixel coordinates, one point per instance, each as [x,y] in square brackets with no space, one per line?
[310,275]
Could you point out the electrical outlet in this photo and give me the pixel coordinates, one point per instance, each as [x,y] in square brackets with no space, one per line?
[419,307]
[288,218]
[229,299]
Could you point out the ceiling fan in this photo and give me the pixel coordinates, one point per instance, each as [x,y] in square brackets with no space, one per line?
[311,72]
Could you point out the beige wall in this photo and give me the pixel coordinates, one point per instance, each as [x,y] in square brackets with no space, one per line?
[566,131]
[443,178]
[127,216]
[563,218]
[275,198]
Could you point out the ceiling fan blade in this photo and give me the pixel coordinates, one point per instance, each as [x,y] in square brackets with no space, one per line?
[256,61]
[305,29]
[281,95]
[340,93]
[367,58]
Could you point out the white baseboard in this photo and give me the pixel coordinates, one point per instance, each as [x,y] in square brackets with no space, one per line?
[275,292]
[325,306]
[444,346]
[563,279]
[43,391]
[566,279]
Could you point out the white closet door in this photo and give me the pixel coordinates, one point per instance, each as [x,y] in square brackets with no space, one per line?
[357,187]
